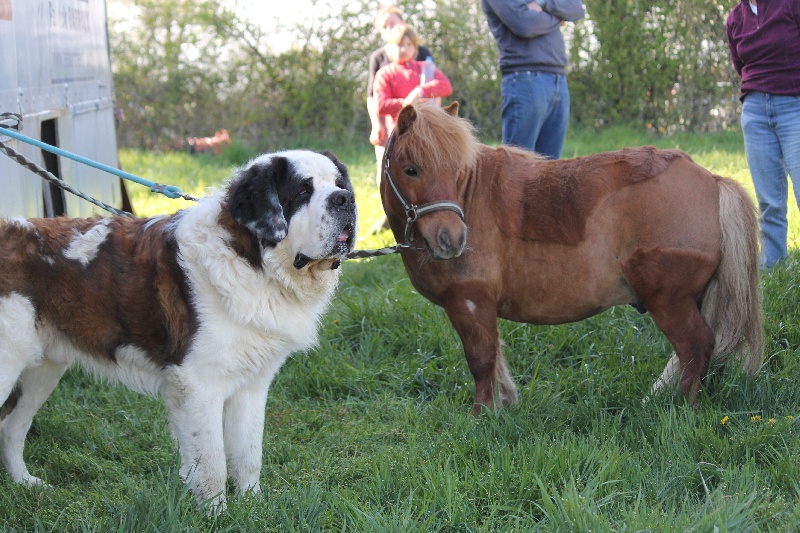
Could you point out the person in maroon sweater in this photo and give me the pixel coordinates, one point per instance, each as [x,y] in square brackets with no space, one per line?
[764,42]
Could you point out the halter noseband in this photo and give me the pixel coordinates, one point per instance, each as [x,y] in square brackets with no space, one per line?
[414,212]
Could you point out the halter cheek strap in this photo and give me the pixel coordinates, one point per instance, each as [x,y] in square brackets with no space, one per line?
[414,212]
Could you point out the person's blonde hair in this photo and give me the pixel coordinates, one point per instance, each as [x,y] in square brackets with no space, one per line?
[383,14]
[400,32]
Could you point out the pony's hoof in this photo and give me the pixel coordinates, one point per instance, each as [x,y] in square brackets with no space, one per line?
[480,408]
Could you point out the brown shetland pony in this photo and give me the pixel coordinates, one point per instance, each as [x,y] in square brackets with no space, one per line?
[552,242]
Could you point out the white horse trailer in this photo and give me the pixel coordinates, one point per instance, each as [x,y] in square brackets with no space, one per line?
[55,70]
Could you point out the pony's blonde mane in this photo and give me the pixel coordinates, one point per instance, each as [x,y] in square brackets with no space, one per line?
[440,141]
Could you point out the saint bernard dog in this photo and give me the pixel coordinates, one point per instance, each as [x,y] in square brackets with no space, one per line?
[201,308]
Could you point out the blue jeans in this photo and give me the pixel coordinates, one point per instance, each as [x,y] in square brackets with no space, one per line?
[771,126]
[535,111]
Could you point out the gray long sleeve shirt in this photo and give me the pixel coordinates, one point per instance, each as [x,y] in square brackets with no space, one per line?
[528,39]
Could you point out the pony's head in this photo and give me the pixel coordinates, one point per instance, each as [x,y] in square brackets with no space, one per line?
[431,149]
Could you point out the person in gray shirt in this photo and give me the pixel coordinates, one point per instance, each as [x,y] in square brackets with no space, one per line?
[533,63]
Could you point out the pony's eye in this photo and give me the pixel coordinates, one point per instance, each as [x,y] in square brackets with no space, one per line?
[411,172]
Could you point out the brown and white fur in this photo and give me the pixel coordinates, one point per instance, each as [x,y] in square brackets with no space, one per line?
[201,308]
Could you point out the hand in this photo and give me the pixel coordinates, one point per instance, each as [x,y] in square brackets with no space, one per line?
[534,6]
[413,95]
[378,135]
[428,101]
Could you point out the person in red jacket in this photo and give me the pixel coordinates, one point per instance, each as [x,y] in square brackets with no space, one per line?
[398,84]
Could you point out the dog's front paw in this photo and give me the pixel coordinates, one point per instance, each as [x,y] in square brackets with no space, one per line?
[215,506]
[249,491]
[33,481]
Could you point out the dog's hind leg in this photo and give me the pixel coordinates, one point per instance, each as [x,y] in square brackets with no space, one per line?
[19,346]
[35,386]
[25,381]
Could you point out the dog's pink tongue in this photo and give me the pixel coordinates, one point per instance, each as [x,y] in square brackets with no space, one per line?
[343,236]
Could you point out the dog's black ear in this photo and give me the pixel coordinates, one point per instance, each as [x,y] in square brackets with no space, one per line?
[254,203]
[339,166]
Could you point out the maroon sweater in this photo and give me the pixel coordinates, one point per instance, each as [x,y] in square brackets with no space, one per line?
[765,48]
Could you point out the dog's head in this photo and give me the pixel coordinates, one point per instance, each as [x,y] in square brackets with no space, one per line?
[302,197]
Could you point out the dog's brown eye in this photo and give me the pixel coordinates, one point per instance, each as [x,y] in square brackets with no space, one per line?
[411,172]
[304,190]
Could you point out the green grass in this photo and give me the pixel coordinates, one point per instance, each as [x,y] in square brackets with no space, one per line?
[372,432]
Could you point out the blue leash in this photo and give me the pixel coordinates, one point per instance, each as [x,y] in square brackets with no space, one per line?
[170,191]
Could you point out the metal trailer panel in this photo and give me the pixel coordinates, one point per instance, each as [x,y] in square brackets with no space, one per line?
[21,190]
[100,146]
[55,66]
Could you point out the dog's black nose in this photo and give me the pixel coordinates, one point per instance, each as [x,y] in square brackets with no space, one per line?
[342,199]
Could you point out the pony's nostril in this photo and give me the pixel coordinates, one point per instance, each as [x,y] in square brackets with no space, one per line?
[444,240]
[462,240]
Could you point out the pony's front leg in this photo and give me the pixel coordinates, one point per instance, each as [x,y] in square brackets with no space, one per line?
[474,317]
[195,415]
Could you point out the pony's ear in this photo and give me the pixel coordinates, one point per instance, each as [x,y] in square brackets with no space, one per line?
[254,203]
[406,118]
[452,109]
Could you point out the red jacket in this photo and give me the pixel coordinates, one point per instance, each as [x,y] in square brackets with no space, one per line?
[396,80]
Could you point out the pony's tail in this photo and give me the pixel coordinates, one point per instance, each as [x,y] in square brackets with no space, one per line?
[731,305]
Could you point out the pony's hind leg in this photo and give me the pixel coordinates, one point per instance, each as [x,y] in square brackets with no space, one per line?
[693,341]
[475,320]
[669,283]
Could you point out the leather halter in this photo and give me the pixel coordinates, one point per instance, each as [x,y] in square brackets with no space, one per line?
[414,212]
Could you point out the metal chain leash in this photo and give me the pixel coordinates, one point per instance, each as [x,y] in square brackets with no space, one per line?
[362,254]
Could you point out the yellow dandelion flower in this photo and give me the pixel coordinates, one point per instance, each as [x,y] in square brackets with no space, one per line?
[724,420]
[771,421]
[755,419]
[789,417]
